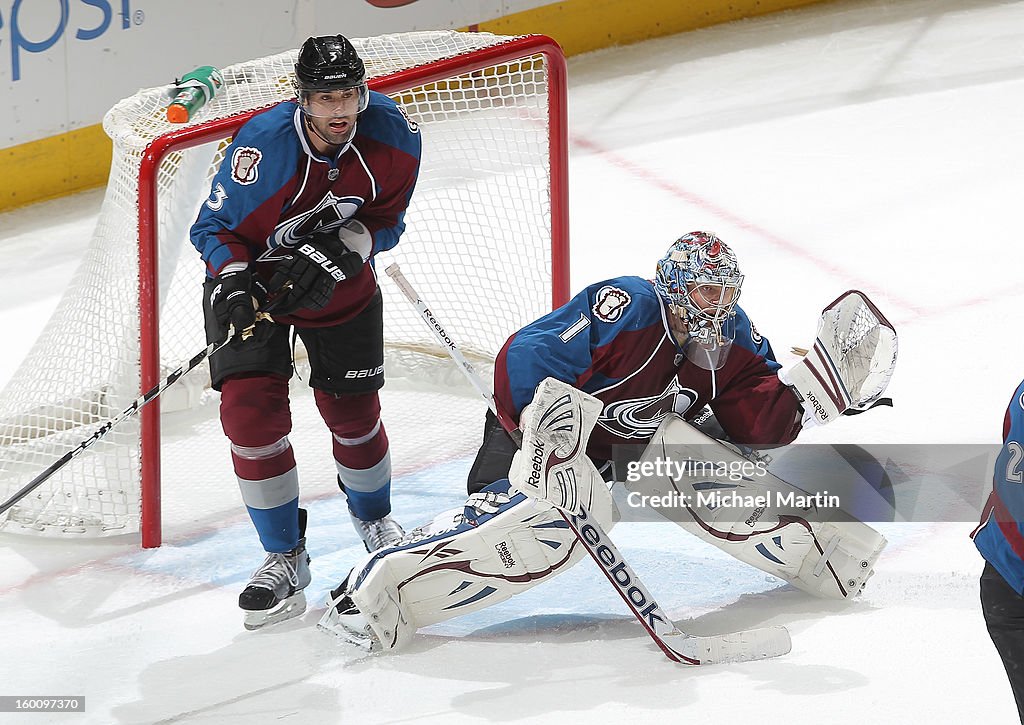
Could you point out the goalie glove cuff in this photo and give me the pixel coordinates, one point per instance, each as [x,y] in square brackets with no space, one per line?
[820,389]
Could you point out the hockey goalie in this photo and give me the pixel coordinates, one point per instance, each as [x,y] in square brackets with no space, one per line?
[685,332]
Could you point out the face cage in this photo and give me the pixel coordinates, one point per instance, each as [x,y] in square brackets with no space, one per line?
[304,94]
[704,324]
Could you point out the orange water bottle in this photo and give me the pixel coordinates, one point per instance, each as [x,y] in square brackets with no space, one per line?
[193,91]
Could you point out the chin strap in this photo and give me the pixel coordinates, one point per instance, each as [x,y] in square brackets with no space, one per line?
[311,127]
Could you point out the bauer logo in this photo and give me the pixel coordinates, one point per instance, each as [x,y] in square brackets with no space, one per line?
[37,27]
[367,373]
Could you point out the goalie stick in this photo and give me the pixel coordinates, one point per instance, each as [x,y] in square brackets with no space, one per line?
[128,412]
[688,649]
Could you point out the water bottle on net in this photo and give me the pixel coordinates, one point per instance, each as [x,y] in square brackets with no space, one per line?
[193,91]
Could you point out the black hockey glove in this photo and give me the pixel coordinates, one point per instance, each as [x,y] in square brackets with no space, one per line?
[232,301]
[306,277]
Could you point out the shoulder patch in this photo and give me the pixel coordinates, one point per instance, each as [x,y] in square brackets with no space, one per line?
[413,126]
[245,163]
[610,302]
[754,334]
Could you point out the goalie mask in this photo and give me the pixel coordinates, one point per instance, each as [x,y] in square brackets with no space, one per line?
[330,77]
[700,281]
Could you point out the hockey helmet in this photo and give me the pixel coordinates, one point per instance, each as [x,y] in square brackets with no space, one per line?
[330,63]
[700,280]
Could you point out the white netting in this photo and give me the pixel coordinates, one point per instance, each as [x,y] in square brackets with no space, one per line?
[477,246]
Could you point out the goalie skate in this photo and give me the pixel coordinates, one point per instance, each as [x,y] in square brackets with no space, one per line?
[344,620]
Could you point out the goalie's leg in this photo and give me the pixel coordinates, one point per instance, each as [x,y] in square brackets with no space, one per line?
[499,544]
[760,520]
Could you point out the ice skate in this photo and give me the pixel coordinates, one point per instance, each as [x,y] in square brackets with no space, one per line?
[274,593]
[344,620]
[379,533]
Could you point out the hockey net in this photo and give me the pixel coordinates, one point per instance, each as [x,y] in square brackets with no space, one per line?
[485,243]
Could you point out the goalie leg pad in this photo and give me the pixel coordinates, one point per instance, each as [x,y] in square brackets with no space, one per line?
[499,544]
[763,520]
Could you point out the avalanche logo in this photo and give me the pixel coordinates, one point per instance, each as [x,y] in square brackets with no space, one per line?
[245,163]
[327,216]
[610,302]
[640,417]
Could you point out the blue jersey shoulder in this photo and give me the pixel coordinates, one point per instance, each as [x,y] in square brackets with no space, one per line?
[749,338]
[622,303]
[272,131]
[386,122]
[262,157]
[561,344]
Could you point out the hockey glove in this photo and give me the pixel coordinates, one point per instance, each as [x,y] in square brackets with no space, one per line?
[234,300]
[553,465]
[306,277]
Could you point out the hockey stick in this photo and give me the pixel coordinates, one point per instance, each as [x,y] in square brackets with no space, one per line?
[128,412]
[678,646]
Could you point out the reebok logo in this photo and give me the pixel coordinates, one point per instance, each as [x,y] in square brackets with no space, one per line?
[616,571]
[505,555]
[818,407]
[536,466]
[755,516]
[440,330]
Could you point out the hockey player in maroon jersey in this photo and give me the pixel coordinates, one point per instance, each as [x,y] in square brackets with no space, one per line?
[627,361]
[309,191]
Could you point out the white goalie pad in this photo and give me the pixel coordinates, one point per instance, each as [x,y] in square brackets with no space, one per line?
[851,362]
[735,503]
[552,465]
[500,543]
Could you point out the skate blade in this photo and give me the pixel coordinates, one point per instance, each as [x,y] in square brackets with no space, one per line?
[357,638]
[289,608]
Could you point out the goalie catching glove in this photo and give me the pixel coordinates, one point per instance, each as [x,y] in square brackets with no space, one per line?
[851,363]
[305,279]
[552,464]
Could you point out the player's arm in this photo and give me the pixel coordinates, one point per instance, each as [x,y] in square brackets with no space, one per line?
[756,407]
[383,217]
[247,194]
[559,345]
